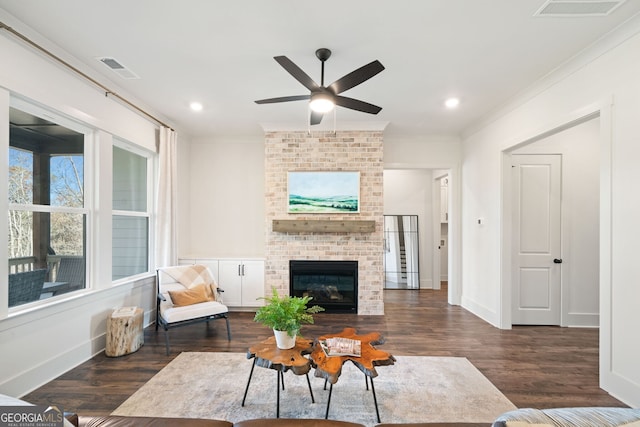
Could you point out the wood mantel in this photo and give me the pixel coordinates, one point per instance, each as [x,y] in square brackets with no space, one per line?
[323,226]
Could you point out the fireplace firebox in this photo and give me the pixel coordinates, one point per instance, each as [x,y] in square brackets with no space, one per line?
[332,284]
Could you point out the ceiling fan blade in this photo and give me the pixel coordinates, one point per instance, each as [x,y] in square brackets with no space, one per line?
[283,99]
[356,77]
[356,104]
[316,118]
[296,72]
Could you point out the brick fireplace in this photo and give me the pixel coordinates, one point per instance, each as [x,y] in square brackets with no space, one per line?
[325,151]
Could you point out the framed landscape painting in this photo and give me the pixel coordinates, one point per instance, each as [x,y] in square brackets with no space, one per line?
[324,192]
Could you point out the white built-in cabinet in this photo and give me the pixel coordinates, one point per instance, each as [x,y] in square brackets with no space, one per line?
[241,279]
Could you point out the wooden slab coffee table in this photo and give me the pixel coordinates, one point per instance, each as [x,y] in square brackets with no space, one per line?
[266,354]
[330,367]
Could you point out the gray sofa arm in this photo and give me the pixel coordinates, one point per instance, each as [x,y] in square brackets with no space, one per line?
[571,417]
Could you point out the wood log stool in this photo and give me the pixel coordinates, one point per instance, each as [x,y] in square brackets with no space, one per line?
[124,331]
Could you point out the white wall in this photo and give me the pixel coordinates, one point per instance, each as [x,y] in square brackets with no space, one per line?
[441,154]
[35,78]
[429,153]
[408,192]
[225,211]
[38,346]
[580,150]
[606,82]
[226,178]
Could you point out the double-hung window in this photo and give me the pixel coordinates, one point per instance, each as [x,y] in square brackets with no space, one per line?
[131,211]
[50,206]
[47,218]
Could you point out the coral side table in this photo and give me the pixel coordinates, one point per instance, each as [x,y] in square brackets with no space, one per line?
[266,354]
[330,367]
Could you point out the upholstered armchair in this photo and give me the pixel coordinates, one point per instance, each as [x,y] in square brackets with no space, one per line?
[188,294]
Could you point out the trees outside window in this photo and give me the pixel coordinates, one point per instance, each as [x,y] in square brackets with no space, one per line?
[47,217]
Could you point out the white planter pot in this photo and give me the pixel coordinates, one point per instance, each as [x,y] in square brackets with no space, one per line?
[283,340]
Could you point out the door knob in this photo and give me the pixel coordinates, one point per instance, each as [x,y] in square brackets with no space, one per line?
[557,261]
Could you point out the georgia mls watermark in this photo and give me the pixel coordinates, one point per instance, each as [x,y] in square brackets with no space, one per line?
[31,416]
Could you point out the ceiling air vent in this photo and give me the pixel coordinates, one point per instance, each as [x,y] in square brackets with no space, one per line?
[118,68]
[572,8]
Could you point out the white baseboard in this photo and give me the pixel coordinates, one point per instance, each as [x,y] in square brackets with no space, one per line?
[28,380]
[426,284]
[481,311]
[582,320]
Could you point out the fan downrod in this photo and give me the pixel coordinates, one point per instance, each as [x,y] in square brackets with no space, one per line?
[323,54]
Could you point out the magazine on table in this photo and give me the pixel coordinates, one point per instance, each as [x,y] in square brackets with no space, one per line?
[339,346]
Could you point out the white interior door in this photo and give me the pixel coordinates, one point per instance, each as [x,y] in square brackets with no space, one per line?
[536,239]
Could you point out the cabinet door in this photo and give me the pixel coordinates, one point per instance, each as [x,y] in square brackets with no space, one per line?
[230,281]
[252,283]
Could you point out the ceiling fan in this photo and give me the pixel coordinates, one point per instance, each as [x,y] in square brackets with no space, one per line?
[322,99]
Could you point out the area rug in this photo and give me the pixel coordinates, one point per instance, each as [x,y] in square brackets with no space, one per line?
[414,389]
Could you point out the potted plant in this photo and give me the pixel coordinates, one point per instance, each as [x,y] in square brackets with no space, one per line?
[285,315]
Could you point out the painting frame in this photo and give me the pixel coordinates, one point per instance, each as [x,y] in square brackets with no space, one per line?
[323,192]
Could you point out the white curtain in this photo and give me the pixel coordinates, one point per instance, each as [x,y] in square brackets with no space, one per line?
[166,247]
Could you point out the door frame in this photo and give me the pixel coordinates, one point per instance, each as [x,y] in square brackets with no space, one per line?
[603,110]
[454,242]
[454,291]
[437,226]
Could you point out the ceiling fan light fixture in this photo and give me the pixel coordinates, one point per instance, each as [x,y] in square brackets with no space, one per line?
[321,102]
[323,99]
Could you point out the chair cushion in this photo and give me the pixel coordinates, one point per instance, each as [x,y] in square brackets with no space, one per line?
[171,313]
[168,288]
[192,295]
[187,277]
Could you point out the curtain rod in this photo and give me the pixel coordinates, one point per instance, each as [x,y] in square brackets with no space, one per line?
[107,92]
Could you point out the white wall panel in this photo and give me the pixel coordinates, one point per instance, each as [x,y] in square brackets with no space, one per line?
[32,77]
[611,76]
[408,192]
[225,210]
[44,343]
[580,149]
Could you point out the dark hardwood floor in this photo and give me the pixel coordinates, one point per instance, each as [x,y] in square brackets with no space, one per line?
[533,366]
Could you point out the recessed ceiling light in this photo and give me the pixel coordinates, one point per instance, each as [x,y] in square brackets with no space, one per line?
[452,102]
[196,106]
